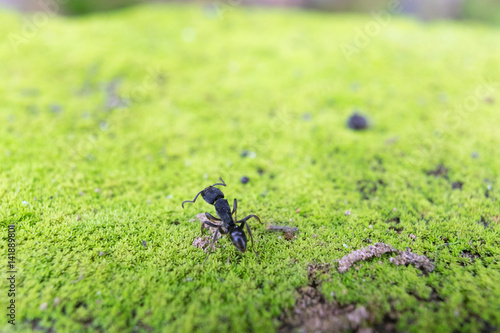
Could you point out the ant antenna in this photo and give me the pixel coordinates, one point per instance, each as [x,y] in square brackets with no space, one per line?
[191,201]
[221,184]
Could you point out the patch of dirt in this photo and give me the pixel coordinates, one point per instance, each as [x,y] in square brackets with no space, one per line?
[433,296]
[487,327]
[80,304]
[471,256]
[457,185]
[35,326]
[484,223]
[378,165]
[202,242]
[368,188]
[440,171]
[288,232]
[395,221]
[389,321]
[314,271]
[144,326]
[409,258]
[378,249]
[313,313]
[398,230]
[205,241]
[371,251]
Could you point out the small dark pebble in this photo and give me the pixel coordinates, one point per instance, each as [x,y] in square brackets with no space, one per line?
[244,180]
[457,185]
[357,122]
[144,243]
[248,153]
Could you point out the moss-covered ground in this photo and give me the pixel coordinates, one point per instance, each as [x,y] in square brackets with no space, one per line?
[110,121]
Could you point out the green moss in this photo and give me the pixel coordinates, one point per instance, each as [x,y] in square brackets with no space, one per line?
[86,176]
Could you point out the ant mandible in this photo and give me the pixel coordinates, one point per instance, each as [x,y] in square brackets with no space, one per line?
[215,197]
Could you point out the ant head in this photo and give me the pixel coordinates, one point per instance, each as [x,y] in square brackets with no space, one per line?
[238,238]
[211,194]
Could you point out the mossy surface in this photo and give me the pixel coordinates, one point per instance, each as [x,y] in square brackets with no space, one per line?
[110,121]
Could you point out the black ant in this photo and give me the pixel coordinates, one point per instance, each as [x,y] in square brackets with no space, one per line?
[214,196]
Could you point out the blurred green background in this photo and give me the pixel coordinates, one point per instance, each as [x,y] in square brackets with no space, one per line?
[482,10]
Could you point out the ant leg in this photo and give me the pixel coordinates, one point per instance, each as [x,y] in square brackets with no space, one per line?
[235,205]
[212,218]
[215,219]
[221,184]
[209,224]
[249,217]
[212,245]
[192,201]
[251,237]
